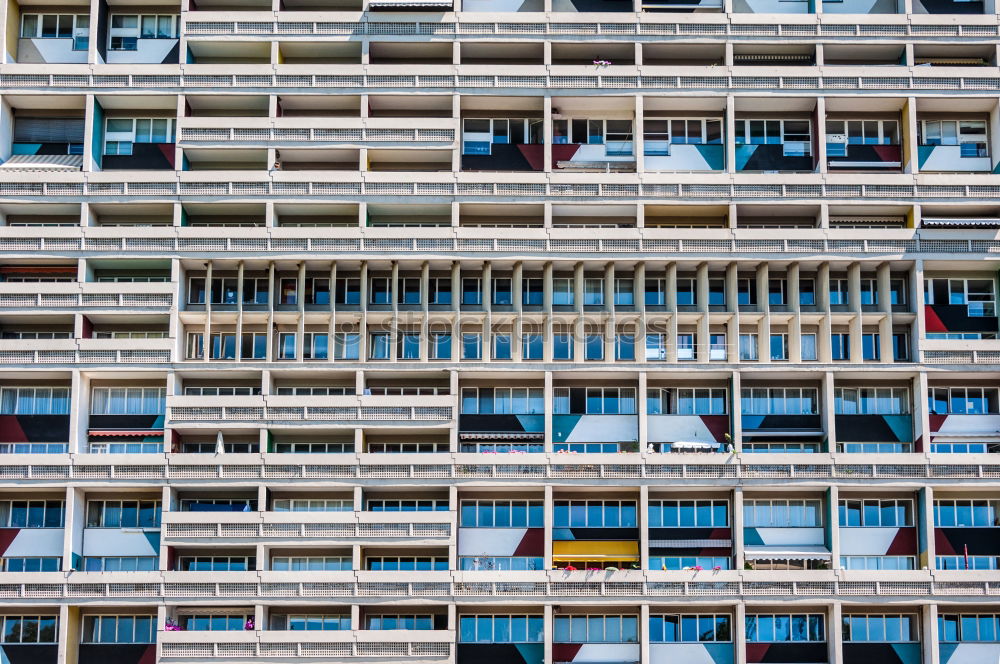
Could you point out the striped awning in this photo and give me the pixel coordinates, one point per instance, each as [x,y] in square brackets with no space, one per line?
[44,162]
[790,552]
[100,433]
[980,222]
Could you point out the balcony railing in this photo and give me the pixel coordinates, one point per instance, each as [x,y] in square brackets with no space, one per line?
[174,531]
[713,467]
[243,649]
[314,135]
[308,413]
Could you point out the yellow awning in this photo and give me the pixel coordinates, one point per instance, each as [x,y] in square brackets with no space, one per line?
[594,550]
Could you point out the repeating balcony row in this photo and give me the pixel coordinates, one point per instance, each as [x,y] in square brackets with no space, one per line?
[893,248]
[532,189]
[307,134]
[677,590]
[244,649]
[557,466]
[726,26]
[288,83]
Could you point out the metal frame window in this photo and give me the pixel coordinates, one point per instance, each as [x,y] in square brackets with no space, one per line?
[311,563]
[615,135]
[123,514]
[841,133]
[313,448]
[58,26]
[963,400]
[127,29]
[875,513]
[30,629]
[969,135]
[967,513]
[794,135]
[119,629]
[312,505]
[217,563]
[503,400]
[687,401]
[779,401]
[215,622]
[660,133]
[501,629]
[502,514]
[120,563]
[878,562]
[128,401]
[783,513]
[406,563]
[599,401]
[594,514]
[479,135]
[34,401]
[880,628]
[591,628]
[311,622]
[32,513]
[871,400]
[121,133]
[690,628]
[782,628]
[981,627]
[688,514]
[407,505]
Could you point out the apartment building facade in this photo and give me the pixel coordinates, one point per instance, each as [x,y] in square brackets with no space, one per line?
[521,331]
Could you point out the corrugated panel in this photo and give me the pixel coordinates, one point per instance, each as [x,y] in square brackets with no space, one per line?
[48,130]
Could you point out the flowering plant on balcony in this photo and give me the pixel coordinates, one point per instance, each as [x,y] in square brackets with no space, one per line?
[569,568]
[696,568]
[249,625]
[601,62]
[170,626]
[717,568]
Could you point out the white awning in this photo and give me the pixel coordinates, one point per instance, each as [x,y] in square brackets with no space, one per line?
[44,162]
[966,437]
[693,445]
[790,552]
[782,433]
[690,544]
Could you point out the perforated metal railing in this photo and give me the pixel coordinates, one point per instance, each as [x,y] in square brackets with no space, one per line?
[699,588]
[625,80]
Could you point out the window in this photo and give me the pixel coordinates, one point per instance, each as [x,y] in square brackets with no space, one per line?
[969,135]
[503,293]
[472,346]
[501,347]
[779,401]
[215,622]
[839,292]
[807,292]
[562,346]
[472,292]
[123,514]
[594,514]
[409,290]
[30,629]
[501,629]
[121,133]
[871,400]
[624,292]
[380,346]
[963,400]
[660,134]
[594,347]
[976,294]
[656,346]
[127,29]
[503,400]
[407,448]
[840,346]
[778,628]
[34,401]
[532,346]
[748,347]
[407,505]
[782,514]
[593,292]
[409,345]
[594,401]
[875,513]
[655,293]
[596,629]
[794,135]
[807,347]
[965,448]
[502,514]
[878,562]
[501,563]
[688,514]
[531,292]
[686,401]
[688,562]
[128,401]
[689,628]
[347,291]
[967,513]
[687,292]
[311,622]
[346,345]
[779,347]
[439,291]
[479,135]
[217,563]
[563,292]
[58,26]
[32,564]
[121,563]
[31,514]
[381,290]
[615,135]
[286,345]
[314,448]
[968,627]
[841,133]
[311,563]
[312,505]
[871,349]
[686,344]
[406,563]
[119,629]
[968,562]
[625,347]
[315,346]
[394,621]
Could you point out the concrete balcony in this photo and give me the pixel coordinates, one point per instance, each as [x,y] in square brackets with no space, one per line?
[327,413]
[84,351]
[347,526]
[381,132]
[91,295]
